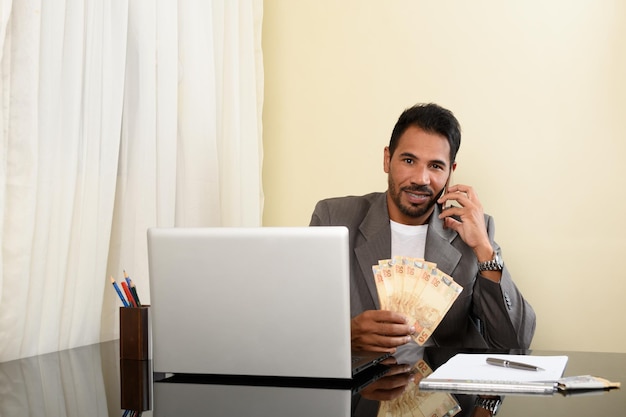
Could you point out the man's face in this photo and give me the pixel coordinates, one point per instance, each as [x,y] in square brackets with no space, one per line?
[417,171]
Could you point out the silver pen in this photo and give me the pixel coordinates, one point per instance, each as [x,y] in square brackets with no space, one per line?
[514,365]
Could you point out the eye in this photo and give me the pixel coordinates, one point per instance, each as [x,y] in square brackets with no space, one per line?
[408,161]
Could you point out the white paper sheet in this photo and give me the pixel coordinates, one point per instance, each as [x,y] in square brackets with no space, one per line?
[474,367]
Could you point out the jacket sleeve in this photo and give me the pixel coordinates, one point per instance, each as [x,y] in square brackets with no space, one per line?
[507,319]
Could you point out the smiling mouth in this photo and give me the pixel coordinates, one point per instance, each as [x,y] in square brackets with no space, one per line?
[417,198]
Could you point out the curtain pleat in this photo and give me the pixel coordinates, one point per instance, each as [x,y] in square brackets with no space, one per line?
[116,117]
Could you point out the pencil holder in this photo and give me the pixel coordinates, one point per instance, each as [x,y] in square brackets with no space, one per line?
[134,335]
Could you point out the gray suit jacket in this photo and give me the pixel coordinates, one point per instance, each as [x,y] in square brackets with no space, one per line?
[486,314]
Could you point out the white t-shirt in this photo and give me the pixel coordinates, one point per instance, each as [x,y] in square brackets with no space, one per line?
[408,240]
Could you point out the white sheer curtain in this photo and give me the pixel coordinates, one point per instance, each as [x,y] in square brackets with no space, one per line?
[116,116]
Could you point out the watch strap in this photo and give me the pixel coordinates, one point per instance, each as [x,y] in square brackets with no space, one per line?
[494,264]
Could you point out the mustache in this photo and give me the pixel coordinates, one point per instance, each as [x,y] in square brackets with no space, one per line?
[419,188]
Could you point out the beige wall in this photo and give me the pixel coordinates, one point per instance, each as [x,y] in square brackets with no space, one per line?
[539,88]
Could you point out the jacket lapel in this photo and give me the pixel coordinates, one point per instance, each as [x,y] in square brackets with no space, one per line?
[439,247]
[375,243]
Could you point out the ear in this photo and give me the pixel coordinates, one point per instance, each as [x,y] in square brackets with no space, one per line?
[452,168]
[387,160]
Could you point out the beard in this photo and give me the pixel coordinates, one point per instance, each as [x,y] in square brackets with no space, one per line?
[412,210]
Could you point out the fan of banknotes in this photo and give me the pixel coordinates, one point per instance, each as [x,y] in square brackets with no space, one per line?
[418,290]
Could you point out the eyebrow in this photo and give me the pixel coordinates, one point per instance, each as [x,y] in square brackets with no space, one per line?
[434,161]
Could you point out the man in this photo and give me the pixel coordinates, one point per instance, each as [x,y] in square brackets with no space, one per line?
[408,220]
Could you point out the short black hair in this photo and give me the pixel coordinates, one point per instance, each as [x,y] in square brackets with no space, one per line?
[431,118]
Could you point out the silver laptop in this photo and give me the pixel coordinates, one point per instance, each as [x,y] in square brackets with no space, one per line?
[268,301]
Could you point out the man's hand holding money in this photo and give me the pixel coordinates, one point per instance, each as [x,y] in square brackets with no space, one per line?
[380,331]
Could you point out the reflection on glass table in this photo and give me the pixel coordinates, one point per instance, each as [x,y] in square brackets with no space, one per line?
[92,380]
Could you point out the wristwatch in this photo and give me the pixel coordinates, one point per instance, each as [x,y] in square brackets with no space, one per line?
[496,264]
[490,404]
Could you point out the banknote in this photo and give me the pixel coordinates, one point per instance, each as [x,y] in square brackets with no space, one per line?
[380,288]
[421,271]
[386,271]
[417,289]
[413,283]
[405,281]
[433,304]
[399,266]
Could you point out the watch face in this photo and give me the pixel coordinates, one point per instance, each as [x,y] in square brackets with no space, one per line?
[498,260]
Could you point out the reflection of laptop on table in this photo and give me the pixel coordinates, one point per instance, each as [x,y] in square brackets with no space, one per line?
[185,399]
[251,301]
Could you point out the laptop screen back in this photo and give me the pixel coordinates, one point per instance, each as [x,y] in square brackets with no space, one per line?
[250,301]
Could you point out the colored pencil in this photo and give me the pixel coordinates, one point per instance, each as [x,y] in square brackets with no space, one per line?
[131,301]
[133,291]
[119,293]
[127,278]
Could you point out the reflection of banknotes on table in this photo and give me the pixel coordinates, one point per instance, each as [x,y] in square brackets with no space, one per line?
[415,403]
[418,290]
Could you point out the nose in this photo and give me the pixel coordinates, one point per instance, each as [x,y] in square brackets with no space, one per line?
[420,175]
